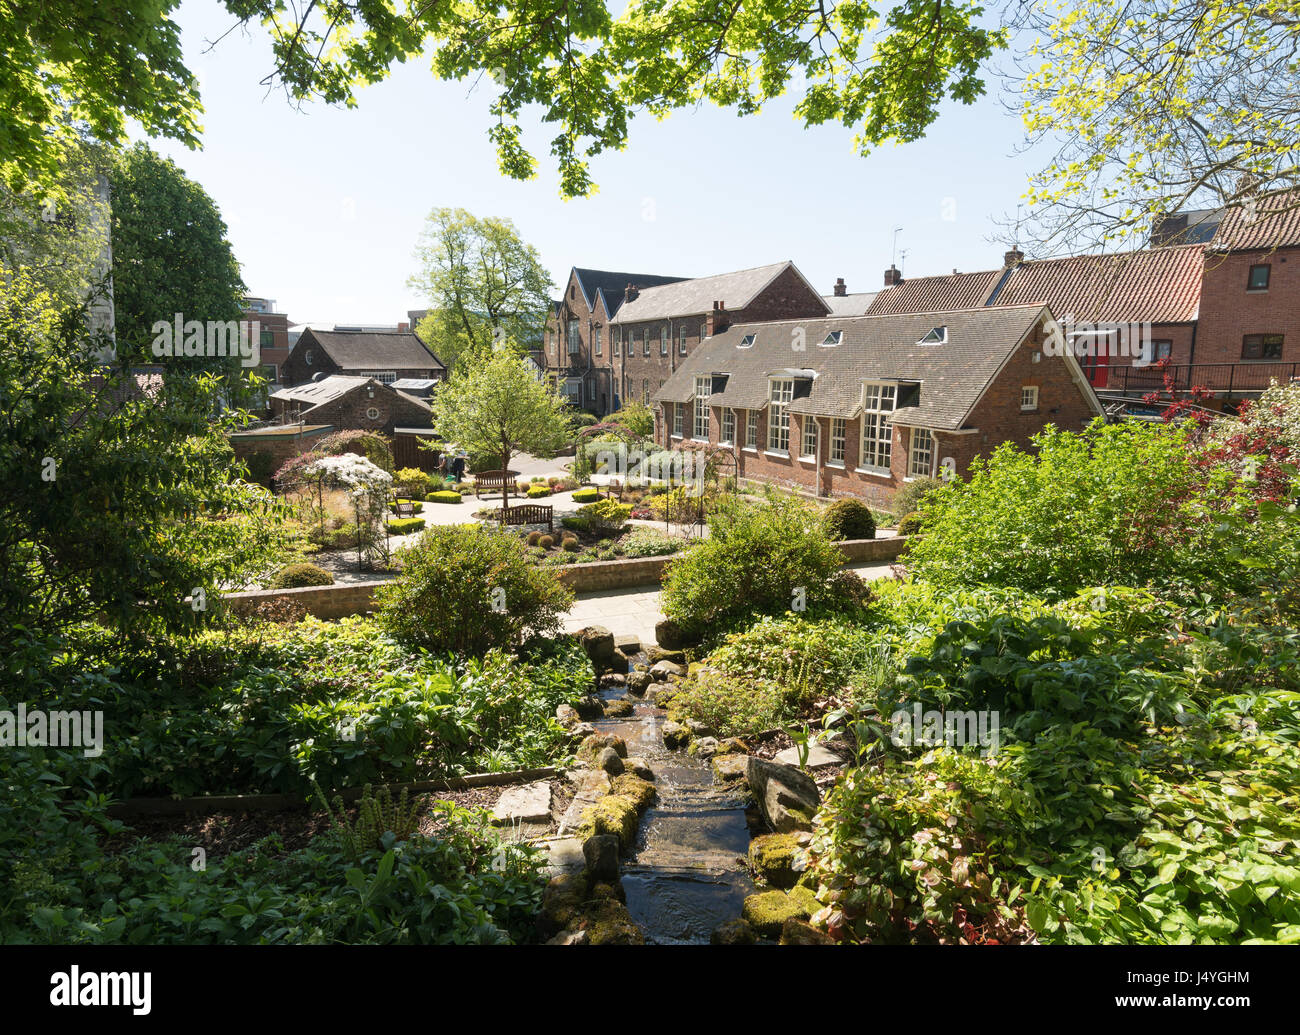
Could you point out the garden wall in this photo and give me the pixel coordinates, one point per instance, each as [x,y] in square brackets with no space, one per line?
[357,598]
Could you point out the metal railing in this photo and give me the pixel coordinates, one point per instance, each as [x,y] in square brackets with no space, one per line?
[1217,377]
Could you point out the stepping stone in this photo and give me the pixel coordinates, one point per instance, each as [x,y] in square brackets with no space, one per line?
[590,785]
[563,855]
[530,803]
[817,755]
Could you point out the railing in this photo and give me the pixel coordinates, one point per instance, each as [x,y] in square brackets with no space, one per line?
[1217,377]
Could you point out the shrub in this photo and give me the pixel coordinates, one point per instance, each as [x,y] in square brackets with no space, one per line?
[606,515]
[910,497]
[537,491]
[297,576]
[444,496]
[405,526]
[757,560]
[413,482]
[261,466]
[587,495]
[546,542]
[733,706]
[649,542]
[470,588]
[370,444]
[533,537]
[849,519]
[574,522]
[910,525]
[570,545]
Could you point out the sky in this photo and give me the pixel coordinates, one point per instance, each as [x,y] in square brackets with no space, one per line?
[325,205]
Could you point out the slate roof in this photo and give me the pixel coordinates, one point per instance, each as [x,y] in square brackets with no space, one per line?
[328,389]
[952,375]
[694,297]
[850,305]
[374,350]
[613,285]
[1275,224]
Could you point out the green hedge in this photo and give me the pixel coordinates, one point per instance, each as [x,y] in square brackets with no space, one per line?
[416,505]
[538,490]
[404,526]
[443,496]
[587,495]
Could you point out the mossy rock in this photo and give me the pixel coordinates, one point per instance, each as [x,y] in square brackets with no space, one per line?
[800,932]
[772,859]
[589,750]
[768,911]
[733,932]
[675,734]
[613,892]
[607,922]
[618,709]
[642,792]
[561,902]
[615,815]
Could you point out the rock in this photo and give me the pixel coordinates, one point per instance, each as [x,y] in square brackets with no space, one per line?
[732,744]
[661,670]
[640,792]
[640,666]
[670,636]
[817,755]
[699,729]
[618,709]
[589,707]
[660,694]
[629,645]
[620,661]
[609,761]
[656,654]
[598,642]
[768,911]
[581,731]
[612,891]
[787,797]
[733,932]
[561,901]
[569,938]
[530,803]
[607,922]
[675,734]
[776,859]
[638,682]
[563,855]
[704,747]
[567,715]
[729,767]
[590,749]
[601,853]
[612,815]
[638,766]
[798,932]
[613,679]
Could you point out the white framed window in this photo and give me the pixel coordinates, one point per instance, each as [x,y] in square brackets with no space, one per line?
[832,339]
[808,448]
[751,429]
[781,391]
[663,340]
[309,357]
[386,377]
[574,341]
[1028,397]
[681,338]
[703,389]
[595,340]
[704,330]
[372,413]
[837,440]
[616,345]
[573,390]
[934,336]
[645,391]
[877,429]
[728,435]
[746,342]
[920,460]
[678,409]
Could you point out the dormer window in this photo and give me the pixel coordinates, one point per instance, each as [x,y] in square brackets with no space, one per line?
[747,342]
[832,339]
[935,336]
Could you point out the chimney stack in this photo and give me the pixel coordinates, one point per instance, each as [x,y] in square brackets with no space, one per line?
[840,289]
[893,276]
[630,292]
[1013,258]
[716,322]
[403,327]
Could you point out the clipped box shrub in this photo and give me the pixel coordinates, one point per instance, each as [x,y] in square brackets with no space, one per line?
[587,495]
[910,525]
[533,537]
[404,526]
[538,490]
[575,522]
[546,542]
[444,496]
[570,546]
[297,576]
[849,519]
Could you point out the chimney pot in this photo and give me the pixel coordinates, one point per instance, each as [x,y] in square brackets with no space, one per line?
[840,289]
[893,276]
[1013,258]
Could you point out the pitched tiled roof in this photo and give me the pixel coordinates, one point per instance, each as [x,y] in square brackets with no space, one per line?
[935,294]
[952,375]
[1275,223]
[612,285]
[377,350]
[693,297]
[1157,285]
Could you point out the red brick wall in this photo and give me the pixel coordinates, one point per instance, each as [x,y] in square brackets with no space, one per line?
[1229,311]
[556,359]
[279,447]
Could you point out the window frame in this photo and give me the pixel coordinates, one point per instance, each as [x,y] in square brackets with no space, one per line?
[806,425]
[574,339]
[842,438]
[828,343]
[727,432]
[878,420]
[596,343]
[931,451]
[779,397]
[751,430]
[1263,345]
[700,416]
[1032,406]
[678,419]
[1267,267]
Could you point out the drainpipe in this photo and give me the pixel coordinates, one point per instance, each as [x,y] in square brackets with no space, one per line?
[817,467]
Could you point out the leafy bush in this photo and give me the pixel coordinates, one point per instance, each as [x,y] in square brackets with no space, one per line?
[261,466]
[296,576]
[909,498]
[605,515]
[587,495]
[470,588]
[413,482]
[545,542]
[537,491]
[404,526]
[759,560]
[732,706]
[444,496]
[910,524]
[849,519]
[649,542]
[570,545]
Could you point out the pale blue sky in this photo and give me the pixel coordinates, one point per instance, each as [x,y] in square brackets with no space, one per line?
[325,205]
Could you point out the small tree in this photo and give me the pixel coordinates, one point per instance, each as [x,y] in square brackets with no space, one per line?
[499,407]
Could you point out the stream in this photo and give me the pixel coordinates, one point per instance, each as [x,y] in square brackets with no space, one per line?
[687,874]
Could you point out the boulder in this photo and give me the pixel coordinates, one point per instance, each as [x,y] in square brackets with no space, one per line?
[817,755]
[601,853]
[670,636]
[800,932]
[638,682]
[776,859]
[699,729]
[661,670]
[609,761]
[613,679]
[589,707]
[704,747]
[589,750]
[732,745]
[611,890]
[788,797]
[620,662]
[729,767]
[607,922]
[640,792]
[619,709]
[613,815]
[675,734]
[581,731]
[638,767]
[561,901]
[733,932]
[598,642]
[657,654]
[568,938]
[768,911]
[566,715]
[628,644]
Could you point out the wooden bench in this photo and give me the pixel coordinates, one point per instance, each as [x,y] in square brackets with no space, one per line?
[402,507]
[528,514]
[493,482]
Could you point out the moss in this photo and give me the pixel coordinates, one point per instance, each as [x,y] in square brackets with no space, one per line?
[615,815]
[640,791]
[561,902]
[607,922]
[614,892]
[589,750]
[675,734]
[618,709]
[772,859]
[768,911]
[733,932]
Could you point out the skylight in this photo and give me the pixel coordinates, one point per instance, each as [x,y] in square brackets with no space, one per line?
[935,336]
[746,342]
[833,338]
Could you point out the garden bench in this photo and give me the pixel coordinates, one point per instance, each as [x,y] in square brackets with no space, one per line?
[492,482]
[528,514]
[402,508]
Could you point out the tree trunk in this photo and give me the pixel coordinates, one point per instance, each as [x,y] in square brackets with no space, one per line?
[506,480]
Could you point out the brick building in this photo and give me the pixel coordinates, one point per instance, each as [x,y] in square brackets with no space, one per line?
[351,402]
[856,406]
[273,334]
[383,355]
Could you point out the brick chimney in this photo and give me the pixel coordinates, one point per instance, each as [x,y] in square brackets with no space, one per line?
[403,327]
[630,292]
[893,276]
[717,321]
[840,289]
[1013,258]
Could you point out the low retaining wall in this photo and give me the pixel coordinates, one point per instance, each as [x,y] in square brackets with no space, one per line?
[358,597]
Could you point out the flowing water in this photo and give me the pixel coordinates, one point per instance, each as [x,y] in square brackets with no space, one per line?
[688,874]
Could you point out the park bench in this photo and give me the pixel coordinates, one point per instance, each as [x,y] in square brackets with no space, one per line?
[528,514]
[492,482]
[402,507]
